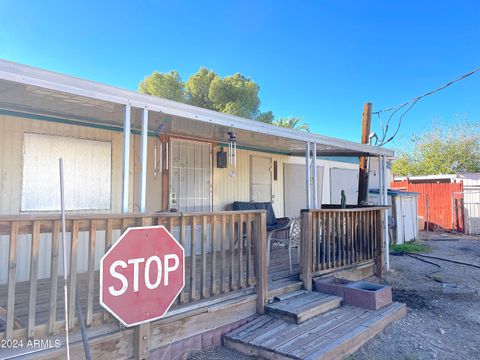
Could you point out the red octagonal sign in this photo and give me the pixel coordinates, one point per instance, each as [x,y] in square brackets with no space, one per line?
[141,275]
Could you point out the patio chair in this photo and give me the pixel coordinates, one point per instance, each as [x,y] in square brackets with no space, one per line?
[288,236]
[272,221]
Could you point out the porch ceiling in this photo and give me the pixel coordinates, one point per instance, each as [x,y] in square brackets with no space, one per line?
[24,89]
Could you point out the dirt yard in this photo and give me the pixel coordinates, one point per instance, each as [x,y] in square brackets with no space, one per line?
[443,320]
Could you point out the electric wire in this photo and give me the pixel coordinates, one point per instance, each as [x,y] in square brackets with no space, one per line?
[429,93]
[412,101]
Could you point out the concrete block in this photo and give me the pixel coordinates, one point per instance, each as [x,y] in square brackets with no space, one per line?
[331,285]
[367,295]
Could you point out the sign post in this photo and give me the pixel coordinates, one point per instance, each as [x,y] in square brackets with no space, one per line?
[141,275]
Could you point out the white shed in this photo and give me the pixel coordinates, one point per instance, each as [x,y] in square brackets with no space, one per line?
[402,215]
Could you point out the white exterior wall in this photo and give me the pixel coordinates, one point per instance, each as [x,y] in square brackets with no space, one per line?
[11,170]
[226,189]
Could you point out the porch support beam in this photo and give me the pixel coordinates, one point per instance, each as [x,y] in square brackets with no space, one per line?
[315,180]
[126,159]
[385,199]
[307,174]
[143,160]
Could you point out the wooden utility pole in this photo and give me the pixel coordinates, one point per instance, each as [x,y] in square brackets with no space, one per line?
[363,171]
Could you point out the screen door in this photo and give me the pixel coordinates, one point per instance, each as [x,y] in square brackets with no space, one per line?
[190,176]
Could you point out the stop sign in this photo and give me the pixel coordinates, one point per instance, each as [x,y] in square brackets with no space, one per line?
[141,275]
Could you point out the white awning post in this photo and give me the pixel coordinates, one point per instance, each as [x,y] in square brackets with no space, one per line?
[143,160]
[307,174]
[126,158]
[315,180]
[385,199]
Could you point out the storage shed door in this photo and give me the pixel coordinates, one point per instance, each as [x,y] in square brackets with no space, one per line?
[190,176]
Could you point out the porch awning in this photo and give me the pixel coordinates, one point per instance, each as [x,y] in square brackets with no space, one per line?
[41,94]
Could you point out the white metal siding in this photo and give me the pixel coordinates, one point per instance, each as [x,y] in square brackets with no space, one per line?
[343,179]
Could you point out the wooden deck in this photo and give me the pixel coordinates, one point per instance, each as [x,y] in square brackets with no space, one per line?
[279,277]
[332,335]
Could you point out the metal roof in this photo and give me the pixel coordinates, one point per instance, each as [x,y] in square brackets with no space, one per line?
[28,90]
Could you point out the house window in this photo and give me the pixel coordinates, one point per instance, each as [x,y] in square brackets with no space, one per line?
[87,173]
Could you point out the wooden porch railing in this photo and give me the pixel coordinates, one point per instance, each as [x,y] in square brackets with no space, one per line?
[338,238]
[225,251]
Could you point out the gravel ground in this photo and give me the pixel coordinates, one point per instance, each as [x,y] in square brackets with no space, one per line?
[443,319]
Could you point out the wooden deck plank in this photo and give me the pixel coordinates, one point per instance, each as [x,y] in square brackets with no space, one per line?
[329,336]
[291,305]
[323,327]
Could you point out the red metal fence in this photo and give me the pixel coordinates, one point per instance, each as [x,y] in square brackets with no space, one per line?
[442,200]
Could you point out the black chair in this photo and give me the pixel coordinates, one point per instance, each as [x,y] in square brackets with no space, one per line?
[277,228]
[273,223]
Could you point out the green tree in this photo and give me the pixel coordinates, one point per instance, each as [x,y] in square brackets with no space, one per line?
[235,95]
[291,123]
[166,85]
[197,88]
[265,117]
[443,150]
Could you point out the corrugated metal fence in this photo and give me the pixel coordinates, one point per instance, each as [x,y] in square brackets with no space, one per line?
[444,202]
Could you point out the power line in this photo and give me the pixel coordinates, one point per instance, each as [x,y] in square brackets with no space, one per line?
[428,93]
[413,101]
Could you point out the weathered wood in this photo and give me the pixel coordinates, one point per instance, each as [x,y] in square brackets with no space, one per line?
[249,249]
[32,299]
[363,165]
[108,245]
[12,268]
[141,342]
[203,283]
[183,242]
[331,335]
[54,277]
[118,220]
[213,234]
[240,251]
[379,258]
[223,260]
[72,286]
[261,261]
[91,270]
[306,246]
[232,252]
[324,239]
[193,257]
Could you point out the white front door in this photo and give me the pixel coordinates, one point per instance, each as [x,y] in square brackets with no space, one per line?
[190,176]
[260,179]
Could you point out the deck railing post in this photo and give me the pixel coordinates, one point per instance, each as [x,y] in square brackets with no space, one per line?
[379,246]
[306,248]
[261,261]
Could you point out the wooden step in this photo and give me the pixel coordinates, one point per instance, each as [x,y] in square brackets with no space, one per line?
[302,306]
[332,335]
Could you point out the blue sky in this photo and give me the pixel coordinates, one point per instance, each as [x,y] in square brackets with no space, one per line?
[318,60]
